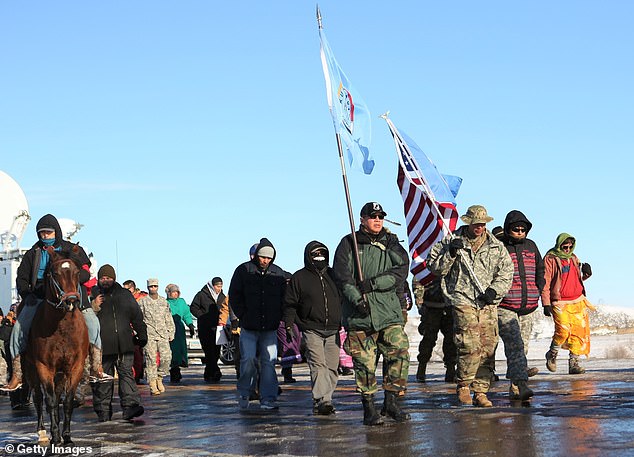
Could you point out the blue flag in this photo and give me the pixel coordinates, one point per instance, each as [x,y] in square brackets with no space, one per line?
[350,114]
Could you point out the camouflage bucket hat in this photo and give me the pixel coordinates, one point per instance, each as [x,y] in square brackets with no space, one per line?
[476,214]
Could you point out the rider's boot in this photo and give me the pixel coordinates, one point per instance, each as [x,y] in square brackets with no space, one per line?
[96,370]
[16,378]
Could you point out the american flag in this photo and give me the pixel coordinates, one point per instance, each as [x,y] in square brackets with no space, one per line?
[429,201]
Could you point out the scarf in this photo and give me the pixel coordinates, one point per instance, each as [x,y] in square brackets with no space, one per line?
[213,292]
[556,250]
[44,258]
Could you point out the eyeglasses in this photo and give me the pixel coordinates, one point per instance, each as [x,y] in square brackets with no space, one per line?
[518,229]
[376,216]
[566,247]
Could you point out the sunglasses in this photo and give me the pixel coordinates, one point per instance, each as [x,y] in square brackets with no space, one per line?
[376,216]
[518,229]
[151,286]
[566,247]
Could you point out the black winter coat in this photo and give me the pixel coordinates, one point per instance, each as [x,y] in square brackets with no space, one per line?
[312,299]
[256,295]
[26,276]
[205,309]
[118,310]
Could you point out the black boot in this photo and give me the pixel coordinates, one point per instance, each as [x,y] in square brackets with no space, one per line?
[420,373]
[392,409]
[450,374]
[175,375]
[287,372]
[370,415]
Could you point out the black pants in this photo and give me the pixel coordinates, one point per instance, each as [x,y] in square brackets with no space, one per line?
[432,321]
[103,391]
[212,353]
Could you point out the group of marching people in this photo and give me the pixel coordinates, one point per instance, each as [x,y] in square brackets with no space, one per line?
[488,284]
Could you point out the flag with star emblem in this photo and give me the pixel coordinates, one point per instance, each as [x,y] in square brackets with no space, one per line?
[429,201]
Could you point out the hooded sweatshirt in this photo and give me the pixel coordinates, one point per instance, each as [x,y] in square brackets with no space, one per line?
[528,267]
[312,299]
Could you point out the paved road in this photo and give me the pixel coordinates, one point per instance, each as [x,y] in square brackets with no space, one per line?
[584,415]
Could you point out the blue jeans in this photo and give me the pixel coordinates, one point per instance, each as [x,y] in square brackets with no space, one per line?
[262,345]
[20,332]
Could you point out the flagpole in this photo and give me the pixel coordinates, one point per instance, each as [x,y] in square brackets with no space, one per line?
[432,198]
[346,188]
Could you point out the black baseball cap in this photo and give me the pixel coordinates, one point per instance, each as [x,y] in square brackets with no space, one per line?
[372,208]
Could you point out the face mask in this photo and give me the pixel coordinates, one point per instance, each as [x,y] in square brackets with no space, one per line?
[49,242]
[320,259]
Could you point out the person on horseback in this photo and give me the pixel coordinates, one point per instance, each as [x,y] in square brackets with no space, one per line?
[30,285]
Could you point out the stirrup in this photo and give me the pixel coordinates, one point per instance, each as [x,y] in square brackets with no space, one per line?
[105,377]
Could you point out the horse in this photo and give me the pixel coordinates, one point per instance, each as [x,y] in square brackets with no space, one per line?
[57,345]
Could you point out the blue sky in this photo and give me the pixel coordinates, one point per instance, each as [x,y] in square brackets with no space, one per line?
[179,133]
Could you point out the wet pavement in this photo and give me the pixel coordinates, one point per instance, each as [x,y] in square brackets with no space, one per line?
[582,415]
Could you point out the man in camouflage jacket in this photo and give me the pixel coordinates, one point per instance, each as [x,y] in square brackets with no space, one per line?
[475,307]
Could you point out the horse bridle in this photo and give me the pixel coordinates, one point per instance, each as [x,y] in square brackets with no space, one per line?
[61,294]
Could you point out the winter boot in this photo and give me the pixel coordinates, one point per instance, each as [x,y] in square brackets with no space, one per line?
[464,395]
[392,409]
[420,373]
[450,373]
[525,392]
[96,370]
[370,414]
[159,384]
[175,375]
[480,399]
[532,371]
[514,392]
[573,365]
[551,360]
[16,377]
[287,372]
[154,390]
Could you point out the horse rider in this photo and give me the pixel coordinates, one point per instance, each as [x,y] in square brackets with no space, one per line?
[30,285]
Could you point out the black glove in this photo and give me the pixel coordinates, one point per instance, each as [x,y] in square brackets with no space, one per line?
[192,330]
[365,286]
[488,297]
[235,324]
[454,245]
[363,308]
[139,342]
[548,310]
[586,270]
[289,334]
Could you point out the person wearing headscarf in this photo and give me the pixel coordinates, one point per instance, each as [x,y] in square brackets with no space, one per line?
[182,318]
[564,298]
[210,306]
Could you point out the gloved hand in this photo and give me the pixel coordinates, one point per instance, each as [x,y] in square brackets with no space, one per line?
[454,245]
[289,334]
[548,310]
[365,286]
[586,270]
[488,297]
[139,342]
[363,308]
[192,330]
[235,324]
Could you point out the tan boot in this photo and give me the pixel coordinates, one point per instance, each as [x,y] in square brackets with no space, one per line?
[464,395]
[514,392]
[159,384]
[525,392]
[16,378]
[96,370]
[480,399]
[154,390]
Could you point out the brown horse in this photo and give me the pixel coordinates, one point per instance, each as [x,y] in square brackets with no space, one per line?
[57,345]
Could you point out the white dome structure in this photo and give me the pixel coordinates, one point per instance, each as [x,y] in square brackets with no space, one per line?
[14,213]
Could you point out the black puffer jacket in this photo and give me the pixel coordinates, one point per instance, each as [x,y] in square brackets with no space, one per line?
[118,311]
[26,276]
[205,309]
[312,299]
[256,295]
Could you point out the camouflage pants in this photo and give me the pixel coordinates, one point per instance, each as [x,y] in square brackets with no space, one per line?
[476,338]
[432,321]
[151,349]
[515,331]
[393,345]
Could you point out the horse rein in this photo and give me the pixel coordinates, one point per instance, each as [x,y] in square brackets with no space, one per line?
[62,295]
